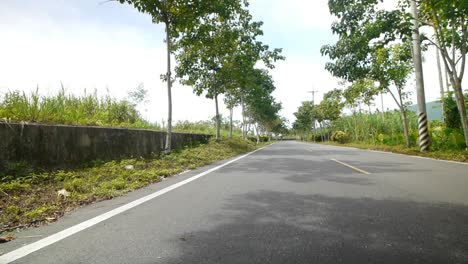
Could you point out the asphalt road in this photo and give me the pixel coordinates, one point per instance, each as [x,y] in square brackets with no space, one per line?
[288,203]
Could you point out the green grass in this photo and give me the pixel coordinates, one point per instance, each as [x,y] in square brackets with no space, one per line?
[88,110]
[454,155]
[32,198]
[372,129]
[205,127]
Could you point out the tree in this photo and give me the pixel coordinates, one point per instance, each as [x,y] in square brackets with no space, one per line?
[207,58]
[361,29]
[230,102]
[138,95]
[178,16]
[394,65]
[204,53]
[260,106]
[304,118]
[449,19]
[332,104]
[329,109]
[372,45]
[360,92]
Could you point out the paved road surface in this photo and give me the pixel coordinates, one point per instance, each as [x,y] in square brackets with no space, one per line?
[287,203]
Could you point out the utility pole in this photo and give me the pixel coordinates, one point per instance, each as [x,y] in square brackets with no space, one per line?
[422,114]
[313,103]
[313,96]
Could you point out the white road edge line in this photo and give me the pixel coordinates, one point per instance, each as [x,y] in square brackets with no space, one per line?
[28,249]
[417,157]
[351,167]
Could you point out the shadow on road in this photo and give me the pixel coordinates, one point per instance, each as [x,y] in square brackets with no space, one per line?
[285,227]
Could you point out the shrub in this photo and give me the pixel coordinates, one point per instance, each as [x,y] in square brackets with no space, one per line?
[316,137]
[262,139]
[340,137]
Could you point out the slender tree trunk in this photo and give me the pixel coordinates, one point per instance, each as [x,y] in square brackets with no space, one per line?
[383,110]
[456,83]
[258,133]
[447,82]
[441,81]
[230,122]
[321,132]
[169,91]
[405,127]
[404,119]
[355,126]
[218,125]
[244,125]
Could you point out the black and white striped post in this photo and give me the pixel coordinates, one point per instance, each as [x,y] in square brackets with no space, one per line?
[423,132]
[424,141]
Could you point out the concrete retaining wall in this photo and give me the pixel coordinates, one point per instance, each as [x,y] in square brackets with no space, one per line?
[67,145]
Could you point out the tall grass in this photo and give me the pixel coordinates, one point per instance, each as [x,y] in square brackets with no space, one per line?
[87,109]
[388,130]
[206,127]
[90,110]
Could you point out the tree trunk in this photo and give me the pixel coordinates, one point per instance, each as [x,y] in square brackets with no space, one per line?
[169,92]
[218,125]
[456,83]
[404,119]
[441,81]
[258,133]
[355,127]
[405,127]
[244,125]
[383,110]
[447,83]
[321,132]
[230,122]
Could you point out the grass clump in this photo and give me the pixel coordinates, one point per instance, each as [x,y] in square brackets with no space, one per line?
[32,198]
[87,110]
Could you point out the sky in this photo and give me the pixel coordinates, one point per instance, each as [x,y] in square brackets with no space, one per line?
[111,48]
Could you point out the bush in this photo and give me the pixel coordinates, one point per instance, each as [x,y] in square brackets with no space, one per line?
[262,139]
[451,115]
[340,137]
[444,138]
[318,137]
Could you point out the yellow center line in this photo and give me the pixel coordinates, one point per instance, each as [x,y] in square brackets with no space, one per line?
[352,167]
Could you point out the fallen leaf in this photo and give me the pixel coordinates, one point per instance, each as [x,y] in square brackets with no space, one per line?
[6,239]
[63,193]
